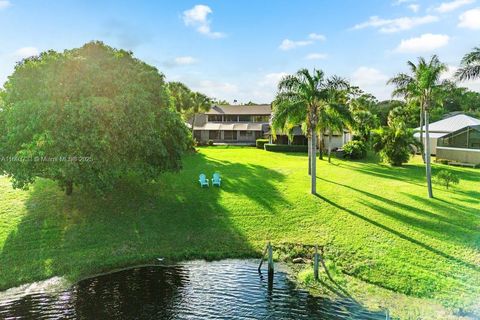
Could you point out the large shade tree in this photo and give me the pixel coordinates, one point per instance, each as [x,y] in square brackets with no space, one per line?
[470,66]
[305,99]
[87,117]
[422,86]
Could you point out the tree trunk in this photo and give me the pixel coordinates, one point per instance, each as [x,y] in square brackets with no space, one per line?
[309,147]
[69,188]
[427,156]
[329,145]
[422,148]
[320,147]
[314,163]
[193,122]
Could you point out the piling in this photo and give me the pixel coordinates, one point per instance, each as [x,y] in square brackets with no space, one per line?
[270,260]
[315,263]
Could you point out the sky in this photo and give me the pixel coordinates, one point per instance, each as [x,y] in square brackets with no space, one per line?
[238,50]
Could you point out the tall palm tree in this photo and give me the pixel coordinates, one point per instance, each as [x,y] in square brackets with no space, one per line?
[421,86]
[302,99]
[200,103]
[335,115]
[188,103]
[470,68]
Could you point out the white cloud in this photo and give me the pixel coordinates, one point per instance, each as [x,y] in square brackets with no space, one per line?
[266,87]
[4,4]
[288,44]
[316,56]
[470,19]
[395,25]
[424,43]
[399,2]
[414,7]
[452,5]
[316,36]
[373,81]
[197,17]
[271,79]
[26,52]
[215,88]
[185,60]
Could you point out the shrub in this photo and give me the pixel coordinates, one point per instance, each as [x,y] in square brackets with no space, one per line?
[210,142]
[446,178]
[355,149]
[394,143]
[260,143]
[285,147]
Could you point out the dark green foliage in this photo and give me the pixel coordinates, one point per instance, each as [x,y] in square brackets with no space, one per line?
[87,117]
[285,147]
[355,149]
[408,114]
[260,143]
[461,99]
[382,109]
[446,178]
[364,122]
[394,143]
[210,142]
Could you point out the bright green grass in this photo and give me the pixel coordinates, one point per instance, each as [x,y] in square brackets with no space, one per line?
[376,220]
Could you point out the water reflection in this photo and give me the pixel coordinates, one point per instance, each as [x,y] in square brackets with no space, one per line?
[229,289]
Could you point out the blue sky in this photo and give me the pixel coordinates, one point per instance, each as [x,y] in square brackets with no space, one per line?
[240,49]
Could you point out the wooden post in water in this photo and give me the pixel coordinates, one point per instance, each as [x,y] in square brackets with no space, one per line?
[270,260]
[261,259]
[315,263]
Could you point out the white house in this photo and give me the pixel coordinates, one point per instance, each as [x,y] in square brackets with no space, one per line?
[445,126]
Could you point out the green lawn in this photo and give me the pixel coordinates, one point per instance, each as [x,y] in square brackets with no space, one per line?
[376,220]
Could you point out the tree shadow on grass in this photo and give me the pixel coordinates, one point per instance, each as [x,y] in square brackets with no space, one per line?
[172,218]
[445,221]
[403,236]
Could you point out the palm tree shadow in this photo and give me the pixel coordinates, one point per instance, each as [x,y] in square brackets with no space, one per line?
[402,236]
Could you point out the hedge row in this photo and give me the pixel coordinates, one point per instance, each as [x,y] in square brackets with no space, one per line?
[260,143]
[285,148]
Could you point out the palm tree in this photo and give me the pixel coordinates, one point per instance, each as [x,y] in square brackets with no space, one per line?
[335,116]
[421,86]
[200,103]
[187,102]
[470,68]
[302,99]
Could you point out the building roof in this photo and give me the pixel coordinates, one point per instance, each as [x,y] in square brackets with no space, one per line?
[248,126]
[434,135]
[451,124]
[261,109]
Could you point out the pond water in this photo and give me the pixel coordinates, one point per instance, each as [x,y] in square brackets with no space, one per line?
[228,289]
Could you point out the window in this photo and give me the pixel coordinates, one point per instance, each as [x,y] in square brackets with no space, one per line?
[229,135]
[468,138]
[197,134]
[261,118]
[214,135]
[230,118]
[247,134]
[215,118]
[244,118]
[474,139]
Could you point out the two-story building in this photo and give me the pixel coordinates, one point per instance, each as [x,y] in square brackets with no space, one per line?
[244,124]
[233,124]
